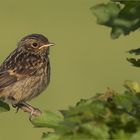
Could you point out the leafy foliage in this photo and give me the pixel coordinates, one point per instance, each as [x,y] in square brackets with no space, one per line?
[120,15]
[123,17]
[106,116]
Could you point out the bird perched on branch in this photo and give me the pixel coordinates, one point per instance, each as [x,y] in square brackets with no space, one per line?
[25,73]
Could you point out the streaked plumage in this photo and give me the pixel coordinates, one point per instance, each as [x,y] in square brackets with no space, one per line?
[25,73]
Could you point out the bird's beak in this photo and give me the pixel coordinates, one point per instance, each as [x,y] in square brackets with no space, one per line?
[46,45]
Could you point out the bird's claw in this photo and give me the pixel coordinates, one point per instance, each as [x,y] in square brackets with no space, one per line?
[28,108]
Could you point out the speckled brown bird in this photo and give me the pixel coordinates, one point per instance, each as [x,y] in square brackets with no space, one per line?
[25,73]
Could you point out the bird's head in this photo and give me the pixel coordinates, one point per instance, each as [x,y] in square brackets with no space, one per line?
[35,43]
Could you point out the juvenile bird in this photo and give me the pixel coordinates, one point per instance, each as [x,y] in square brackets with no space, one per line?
[25,73]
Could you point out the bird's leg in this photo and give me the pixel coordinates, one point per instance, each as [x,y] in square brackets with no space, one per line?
[28,108]
[16,106]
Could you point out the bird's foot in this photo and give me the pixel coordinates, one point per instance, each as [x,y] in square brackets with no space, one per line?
[28,108]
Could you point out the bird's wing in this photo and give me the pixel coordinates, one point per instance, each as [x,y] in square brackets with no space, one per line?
[17,67]
[7,78]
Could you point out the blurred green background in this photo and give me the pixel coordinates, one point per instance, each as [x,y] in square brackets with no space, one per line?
[84,61]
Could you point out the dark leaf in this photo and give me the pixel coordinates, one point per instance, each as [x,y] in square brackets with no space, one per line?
[4,107]
[135,51]
[135,62]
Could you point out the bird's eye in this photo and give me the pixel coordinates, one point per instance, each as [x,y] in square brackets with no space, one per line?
[34,44]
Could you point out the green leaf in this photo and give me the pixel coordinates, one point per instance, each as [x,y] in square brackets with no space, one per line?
[105,13]
[47,119]
[4,107]
[135,51]
[132,86]
[50,136]
[134,62]
[136,136]
[99,132]
[121,135]
[124,102]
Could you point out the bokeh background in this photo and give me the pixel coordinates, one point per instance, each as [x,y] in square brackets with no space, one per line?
[84,61]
